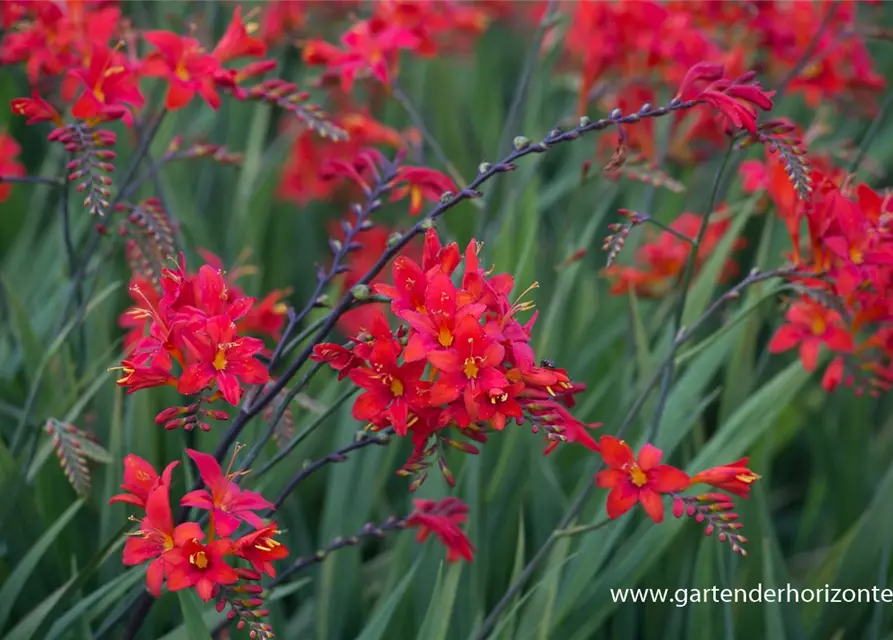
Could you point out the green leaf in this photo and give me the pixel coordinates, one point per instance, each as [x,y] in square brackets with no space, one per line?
[436,623]
[15,584]
[190,607]
[28,626]
[380,618]
[120,585]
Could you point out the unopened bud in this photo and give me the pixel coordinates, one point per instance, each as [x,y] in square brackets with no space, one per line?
[585,121]
[360,292]
[484,167]
[520,143]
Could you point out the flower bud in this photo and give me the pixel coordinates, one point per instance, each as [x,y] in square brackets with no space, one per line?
[360,292]
[520,143]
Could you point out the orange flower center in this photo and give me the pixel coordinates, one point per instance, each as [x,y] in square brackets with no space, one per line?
[470,368]
[181,72]
[445,337]
[199,559]
[220,360]
[856,255]
[636,475]
[818,326]
[396,387]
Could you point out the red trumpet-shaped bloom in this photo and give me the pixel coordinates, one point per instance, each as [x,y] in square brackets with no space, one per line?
[198,565]
[810,325]
[222,358]
[156,537]
[641,479]
[442,518]
[227,503]
[140,479]
[734,477]
[261,549]
[187,68]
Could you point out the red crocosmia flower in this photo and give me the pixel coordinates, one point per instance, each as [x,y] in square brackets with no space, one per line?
[435,329]
[735,478]
[36,109]
[227,503]
[339,358]
[469,366]
[110,89]
[187,68]
[223,357]
[421,184]
[498,405]
[833,374]
[198,565]
[641,479]
[738,99]
[390,388]
[156,537]
[810,325]
[140,479]
[9,149]
[236,43]
[144,376]
[261,549]
[442,518]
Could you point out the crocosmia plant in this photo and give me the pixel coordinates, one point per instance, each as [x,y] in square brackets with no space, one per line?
[444,319]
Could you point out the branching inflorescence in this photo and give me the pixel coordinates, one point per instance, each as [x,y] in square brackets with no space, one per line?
[452,366]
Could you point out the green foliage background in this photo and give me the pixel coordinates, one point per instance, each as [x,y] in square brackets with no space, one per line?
[823,512]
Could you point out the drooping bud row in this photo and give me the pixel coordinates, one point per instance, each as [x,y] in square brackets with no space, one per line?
[715,510]
[91,160]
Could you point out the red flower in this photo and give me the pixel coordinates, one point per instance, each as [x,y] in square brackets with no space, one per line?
[469,366]
[110,89]
[810,325]
[442,518]
[223,357]
[640,479]
[735,478]
[186,67]
[420,184]
[198,565]
[144,376]
[156,537]
[9,149]
[226,501]
[236,43]
[261,549]
[36,109]
[738,99]
[140,479]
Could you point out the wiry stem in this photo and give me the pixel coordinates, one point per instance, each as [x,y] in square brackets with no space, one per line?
[53,182]
[583,496]
[685,283]
[363,440]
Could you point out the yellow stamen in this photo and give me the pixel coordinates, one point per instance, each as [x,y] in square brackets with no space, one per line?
[445,337]
[470,368]
[220,360]
[199,559]
[637,476]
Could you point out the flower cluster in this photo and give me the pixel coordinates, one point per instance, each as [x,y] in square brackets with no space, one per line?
[662,261]
[846,306]
[186,555]
[196,322]
[672,37]
[371,47]
[461,362]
